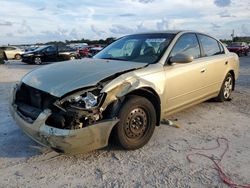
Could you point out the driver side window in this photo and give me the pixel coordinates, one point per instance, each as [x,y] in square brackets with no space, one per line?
[51,49]
[187,44]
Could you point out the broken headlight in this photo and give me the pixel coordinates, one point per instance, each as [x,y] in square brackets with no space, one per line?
[77,110]
[90,100]
[84,100]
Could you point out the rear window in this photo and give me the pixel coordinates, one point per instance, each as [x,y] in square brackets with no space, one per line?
[210,45]
[65,49]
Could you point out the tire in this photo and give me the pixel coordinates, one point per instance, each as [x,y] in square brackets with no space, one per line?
[226,89]
[17,56]
[72,58]
[137,123]
[37,60]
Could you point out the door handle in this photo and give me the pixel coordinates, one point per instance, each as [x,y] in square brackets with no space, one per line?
[203,70]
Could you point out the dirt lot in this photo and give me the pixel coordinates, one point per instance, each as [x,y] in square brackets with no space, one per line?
[161,163]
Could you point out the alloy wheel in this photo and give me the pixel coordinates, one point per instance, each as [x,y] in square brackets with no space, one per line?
[228,86]
[38,60]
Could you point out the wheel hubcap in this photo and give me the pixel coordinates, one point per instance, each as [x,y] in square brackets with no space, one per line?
[37,60]
[136,123]
[228,86]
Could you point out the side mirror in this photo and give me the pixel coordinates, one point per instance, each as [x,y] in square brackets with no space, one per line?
[181,58]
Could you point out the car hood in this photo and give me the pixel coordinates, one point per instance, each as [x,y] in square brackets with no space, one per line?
[28,53]
[60,78]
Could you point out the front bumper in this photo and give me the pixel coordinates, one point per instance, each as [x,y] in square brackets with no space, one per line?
[63,140]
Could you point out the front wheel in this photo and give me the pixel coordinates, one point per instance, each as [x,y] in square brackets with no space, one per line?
[72,57]
[17,56]
[37,60]
[137,123]
[226,89]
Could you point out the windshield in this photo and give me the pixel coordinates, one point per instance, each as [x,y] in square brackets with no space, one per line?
[146,48]
[40,48]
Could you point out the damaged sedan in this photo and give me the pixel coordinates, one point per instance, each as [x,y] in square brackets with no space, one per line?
[125,90]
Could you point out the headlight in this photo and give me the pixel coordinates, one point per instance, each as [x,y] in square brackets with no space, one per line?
[83,100]
[90,100]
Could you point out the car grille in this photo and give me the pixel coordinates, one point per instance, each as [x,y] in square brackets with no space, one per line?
[31,102]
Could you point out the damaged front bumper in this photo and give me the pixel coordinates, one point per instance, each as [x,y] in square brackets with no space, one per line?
[63,140]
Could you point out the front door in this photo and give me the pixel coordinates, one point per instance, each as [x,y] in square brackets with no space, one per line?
[51,54]
[184,82]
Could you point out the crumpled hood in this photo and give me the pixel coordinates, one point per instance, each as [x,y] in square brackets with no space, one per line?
[60,78]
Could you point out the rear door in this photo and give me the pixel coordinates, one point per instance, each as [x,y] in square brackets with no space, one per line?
[215,62]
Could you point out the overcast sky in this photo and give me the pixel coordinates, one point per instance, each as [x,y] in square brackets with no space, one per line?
[32,21]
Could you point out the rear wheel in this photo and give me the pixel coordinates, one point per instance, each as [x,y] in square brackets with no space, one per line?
[72,57]
[137,123]
[226,88]
[17,56]
[37,60]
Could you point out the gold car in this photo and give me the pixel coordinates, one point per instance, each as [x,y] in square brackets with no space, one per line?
[126,89]
[12,52]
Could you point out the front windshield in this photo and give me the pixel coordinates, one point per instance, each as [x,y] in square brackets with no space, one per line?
[146,48]
[40,48]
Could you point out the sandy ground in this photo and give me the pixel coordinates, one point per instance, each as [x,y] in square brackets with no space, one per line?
[161,163]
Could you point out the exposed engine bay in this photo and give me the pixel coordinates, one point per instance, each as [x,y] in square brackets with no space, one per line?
[72,112]
[75,110]
[78,110]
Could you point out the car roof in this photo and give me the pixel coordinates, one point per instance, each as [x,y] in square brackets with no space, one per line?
[175,32]
[165,32]
[172,32]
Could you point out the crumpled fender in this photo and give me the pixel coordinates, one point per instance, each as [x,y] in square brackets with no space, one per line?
[130,81]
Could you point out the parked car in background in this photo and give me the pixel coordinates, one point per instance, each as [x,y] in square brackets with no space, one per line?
[67,53]
[31,48]
[77,45]
[95,50]
[126,89]
[90,51]
[240,48]
[12,52]
[84,51]
[50,53]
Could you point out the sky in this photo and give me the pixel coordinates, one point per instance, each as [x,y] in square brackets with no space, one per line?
[34,21]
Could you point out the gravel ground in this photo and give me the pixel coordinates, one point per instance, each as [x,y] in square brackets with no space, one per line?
[161,163]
